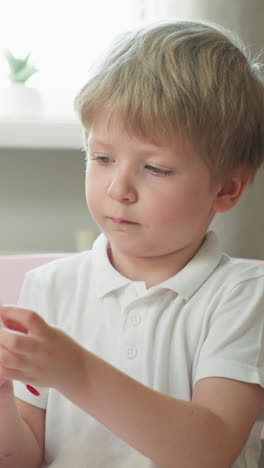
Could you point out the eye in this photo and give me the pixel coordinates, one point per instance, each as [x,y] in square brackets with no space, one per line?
[104,160]
[158,170]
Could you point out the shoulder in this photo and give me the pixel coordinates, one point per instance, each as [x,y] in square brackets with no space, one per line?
[232,272]
[232,293]
[236,295]
[239,285]
[232,323]
[66,267]
[52,289]
[50,282]
[56,287]
[80,268]
[227,280]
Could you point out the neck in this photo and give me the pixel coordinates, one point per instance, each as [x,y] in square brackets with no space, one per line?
[152,270]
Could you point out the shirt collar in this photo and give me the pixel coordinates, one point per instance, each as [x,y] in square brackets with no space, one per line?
[106,278]
[185,283]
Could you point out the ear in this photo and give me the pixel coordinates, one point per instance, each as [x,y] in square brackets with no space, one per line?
[231,189]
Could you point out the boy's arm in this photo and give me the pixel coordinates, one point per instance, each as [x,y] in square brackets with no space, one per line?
[19,446]
[208,432]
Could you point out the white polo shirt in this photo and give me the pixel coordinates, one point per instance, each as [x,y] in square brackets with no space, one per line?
[207,320]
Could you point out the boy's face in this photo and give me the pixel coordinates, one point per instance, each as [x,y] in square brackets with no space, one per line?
[149,200]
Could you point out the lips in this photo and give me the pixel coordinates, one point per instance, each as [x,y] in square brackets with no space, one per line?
[121,221]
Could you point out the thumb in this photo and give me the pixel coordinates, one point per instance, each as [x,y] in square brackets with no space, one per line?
[21,320]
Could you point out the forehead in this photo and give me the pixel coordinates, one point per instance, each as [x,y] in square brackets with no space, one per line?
[111,123]
[111,130]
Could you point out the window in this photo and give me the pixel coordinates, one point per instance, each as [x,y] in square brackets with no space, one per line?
[64,38]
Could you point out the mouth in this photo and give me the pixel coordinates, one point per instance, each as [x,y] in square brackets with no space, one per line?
[122,221]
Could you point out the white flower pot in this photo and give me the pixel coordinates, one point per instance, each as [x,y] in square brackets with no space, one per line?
[19,101]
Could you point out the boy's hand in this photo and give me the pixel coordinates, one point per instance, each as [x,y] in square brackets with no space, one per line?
[39,355]
[6,389]
[6,386]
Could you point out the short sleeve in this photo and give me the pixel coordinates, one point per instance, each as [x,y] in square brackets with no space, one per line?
[30,298]
[234,345]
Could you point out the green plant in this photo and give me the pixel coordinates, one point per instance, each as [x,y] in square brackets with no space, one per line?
[20,69]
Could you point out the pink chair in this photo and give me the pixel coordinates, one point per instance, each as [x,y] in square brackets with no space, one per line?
[13,269]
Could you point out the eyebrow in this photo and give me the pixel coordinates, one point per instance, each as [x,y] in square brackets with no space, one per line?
[100,143]
[148,150]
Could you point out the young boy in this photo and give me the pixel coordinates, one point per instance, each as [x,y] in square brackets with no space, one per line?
[148,350]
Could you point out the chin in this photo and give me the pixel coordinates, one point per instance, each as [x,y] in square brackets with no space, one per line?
[132,247]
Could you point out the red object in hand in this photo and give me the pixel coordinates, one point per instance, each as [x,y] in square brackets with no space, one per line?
[33,390]
[18,328]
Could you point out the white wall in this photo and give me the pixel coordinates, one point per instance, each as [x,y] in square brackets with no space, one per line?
[242,229]
[42,200]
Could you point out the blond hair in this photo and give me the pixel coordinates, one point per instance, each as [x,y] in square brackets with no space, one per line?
[192,79]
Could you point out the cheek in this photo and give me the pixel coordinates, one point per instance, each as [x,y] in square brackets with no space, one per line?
[158,213]
[92,199]
[182,208]
[166,204]
[92,193]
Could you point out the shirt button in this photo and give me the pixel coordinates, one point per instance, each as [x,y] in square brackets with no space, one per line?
[134,320]
[131,352]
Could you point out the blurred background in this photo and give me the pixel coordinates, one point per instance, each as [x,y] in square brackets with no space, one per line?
[42,201]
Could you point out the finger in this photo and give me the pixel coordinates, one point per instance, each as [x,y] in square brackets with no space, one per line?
[17,343]
[14,325]
[11,374]
[22,320]
[11,360]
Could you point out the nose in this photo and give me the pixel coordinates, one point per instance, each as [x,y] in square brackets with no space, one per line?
[122,188]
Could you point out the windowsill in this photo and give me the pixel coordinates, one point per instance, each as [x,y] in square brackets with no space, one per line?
[41,133]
